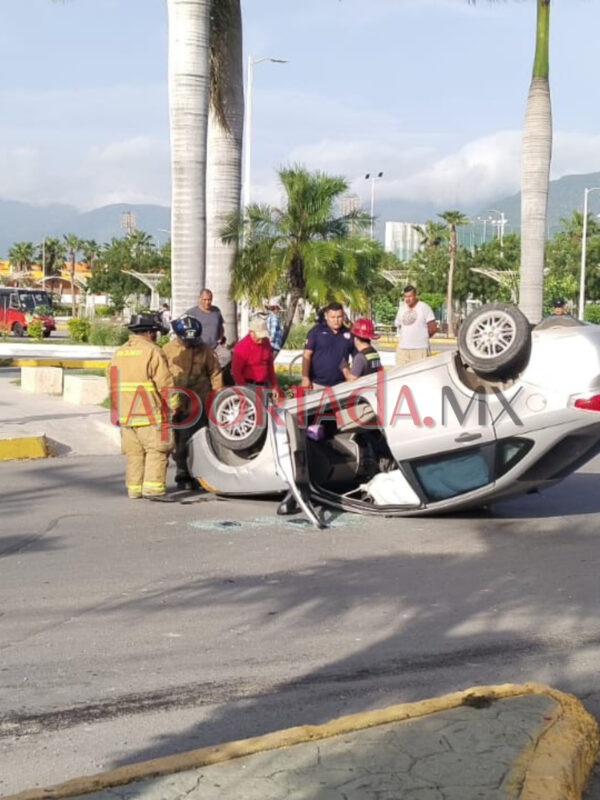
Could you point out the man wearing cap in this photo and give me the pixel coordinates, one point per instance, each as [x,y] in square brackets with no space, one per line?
[252,358]
[274,325]
[195,367]
[137,374]
[558,308]
[366,359]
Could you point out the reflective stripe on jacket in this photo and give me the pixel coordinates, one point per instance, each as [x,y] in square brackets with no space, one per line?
[142,372]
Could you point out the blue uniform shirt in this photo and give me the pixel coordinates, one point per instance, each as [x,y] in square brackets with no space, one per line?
[329,350]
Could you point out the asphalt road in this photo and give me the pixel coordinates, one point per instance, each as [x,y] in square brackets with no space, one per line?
[130,630]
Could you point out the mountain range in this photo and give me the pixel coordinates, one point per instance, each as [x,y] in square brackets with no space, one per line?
[26,222]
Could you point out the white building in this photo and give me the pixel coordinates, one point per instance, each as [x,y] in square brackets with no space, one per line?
[402,239]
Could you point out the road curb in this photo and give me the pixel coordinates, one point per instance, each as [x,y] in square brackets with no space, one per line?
[66,363]
[558,763]
[14,447]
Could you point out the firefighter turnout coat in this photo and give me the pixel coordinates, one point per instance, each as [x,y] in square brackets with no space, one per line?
[137,374]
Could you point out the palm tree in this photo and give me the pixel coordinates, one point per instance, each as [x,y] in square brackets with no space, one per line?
[72,243]
[432,233]
[189,25]
[303,246]
[90,250]
[535,171]
[452,220]
[224,151]
[21,255]
[52,255]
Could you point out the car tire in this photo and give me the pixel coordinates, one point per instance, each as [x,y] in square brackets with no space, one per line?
[18,330]
[237,420]
[46,333]
[495,340]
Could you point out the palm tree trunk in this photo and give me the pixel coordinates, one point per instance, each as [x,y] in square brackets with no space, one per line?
[535,177]
[72,276]
[450,291]
[224,163]
[189,24]
[290,313]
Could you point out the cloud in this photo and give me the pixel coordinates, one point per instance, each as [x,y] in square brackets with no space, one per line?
[482,170]
[132,170]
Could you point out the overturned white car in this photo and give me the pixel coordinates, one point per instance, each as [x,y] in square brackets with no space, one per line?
[514,409]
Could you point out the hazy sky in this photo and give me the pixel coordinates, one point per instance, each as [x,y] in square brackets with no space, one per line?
[431,92]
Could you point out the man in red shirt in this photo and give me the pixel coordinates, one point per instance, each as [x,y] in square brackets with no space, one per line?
[252,358]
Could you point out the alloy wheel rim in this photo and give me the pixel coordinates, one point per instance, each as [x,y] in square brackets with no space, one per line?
[492,336]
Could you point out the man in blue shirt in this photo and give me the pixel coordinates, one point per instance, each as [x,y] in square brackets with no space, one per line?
[327,347]
[274,325]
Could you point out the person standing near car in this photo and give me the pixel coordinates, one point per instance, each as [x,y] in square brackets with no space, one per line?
[274,325]
[366,359]
[559,308]
[210,318]
[415,323]
[252,358]
[194,366]
[327,346]
[137,374]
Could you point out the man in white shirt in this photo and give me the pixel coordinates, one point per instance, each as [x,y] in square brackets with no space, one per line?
[415,323]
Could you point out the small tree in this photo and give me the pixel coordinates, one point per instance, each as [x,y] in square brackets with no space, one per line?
[305,245]
[452,220]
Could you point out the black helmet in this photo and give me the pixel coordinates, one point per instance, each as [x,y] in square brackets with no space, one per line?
[188,329]
[144,322]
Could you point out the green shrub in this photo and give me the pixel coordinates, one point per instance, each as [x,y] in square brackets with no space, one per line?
[35,330]
[104,311]
[106,334]
[162,340]
[79,329]
[297,336]
[61,310]
[592,314]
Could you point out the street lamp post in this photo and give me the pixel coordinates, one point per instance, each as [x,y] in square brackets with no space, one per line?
[372,176]
[586,195]
[501,223]
[485,221]
[246,193]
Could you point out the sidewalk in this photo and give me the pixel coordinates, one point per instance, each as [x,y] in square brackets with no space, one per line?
[522,742]
[67,429]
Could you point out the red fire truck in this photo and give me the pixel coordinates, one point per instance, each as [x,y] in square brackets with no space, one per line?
[18,307]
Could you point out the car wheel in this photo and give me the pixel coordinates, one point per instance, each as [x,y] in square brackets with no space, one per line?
[18,329]
[495,340]
[46,333]
[236,418]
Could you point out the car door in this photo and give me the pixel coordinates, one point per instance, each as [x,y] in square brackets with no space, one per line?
[291,460]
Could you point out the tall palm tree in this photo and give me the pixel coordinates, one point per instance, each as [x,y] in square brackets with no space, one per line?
[90,250]
[535,170]
[303,247]
[535,176]
[452,220]
[21,255]
[73,244]
[432,233]
[189,25]
[52,253]
[224,151]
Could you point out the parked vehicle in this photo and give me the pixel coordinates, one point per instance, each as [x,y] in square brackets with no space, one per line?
[18,307]
[511,411]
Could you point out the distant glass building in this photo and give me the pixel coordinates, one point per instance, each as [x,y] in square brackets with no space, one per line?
[402,239]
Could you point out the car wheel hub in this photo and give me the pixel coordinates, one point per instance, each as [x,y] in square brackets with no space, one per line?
[236,418]
[492,336]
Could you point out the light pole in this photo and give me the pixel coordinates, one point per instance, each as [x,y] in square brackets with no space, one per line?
[246,193]
[501,224]
[485,221]
[372,176]
[586,194]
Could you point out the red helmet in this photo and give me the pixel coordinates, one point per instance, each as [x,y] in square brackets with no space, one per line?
[363,328]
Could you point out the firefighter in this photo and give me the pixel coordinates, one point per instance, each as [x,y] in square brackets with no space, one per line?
[137,374]
[195,367]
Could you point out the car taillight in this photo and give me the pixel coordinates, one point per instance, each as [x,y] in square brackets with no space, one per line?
[591,403]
